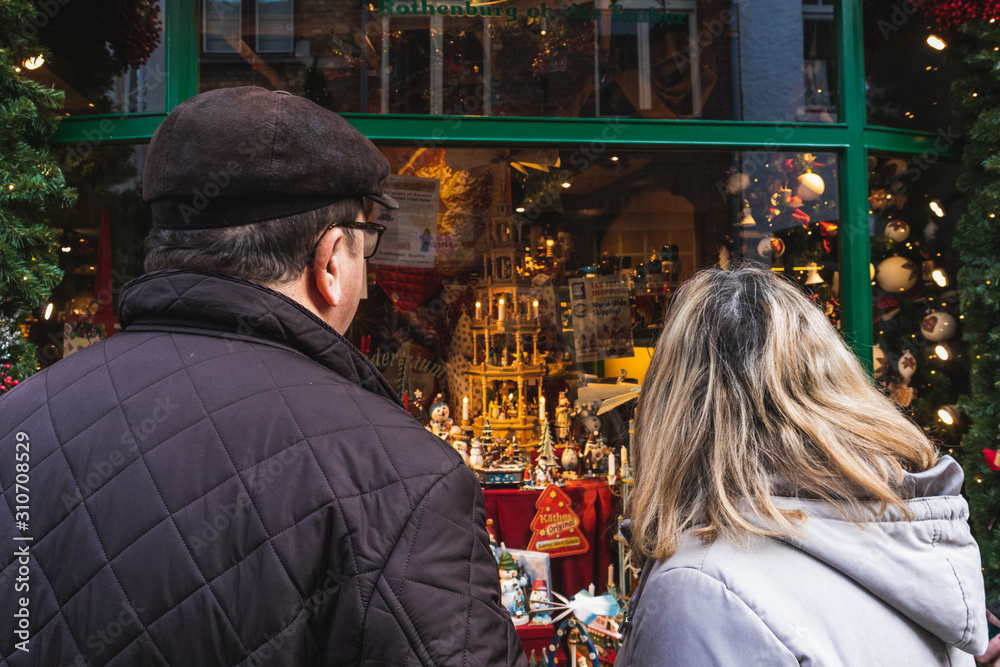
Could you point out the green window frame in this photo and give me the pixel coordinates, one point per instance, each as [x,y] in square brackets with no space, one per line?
[852,139]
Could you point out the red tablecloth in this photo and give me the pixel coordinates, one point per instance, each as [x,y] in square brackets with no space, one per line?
[592,500]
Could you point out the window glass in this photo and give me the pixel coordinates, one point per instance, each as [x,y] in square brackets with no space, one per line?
[919,355]
[100,246]
[708,59]
[107,60]
[509,274]
[907,76]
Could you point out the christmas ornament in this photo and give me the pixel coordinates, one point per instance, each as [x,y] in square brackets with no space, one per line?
[938,326]
[771,246]
[897,230]
[737,182]
[811,186]
[907,365]
[813,278]
[896,274]
[881,361]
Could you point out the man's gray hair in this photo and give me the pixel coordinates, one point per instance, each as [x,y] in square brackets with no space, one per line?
[274,251]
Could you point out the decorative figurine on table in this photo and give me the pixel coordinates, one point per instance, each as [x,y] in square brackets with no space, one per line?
[441,421]
[475,453]
[595,460]
[539,603]
[543,473]
[512,583]
[417,408]
[564,417]
[570,460]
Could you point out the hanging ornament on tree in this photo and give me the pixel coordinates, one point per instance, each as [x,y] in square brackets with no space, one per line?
[771,246]
[907,365]
[881,361]
[811,186]
[896,274]
[737,183]
[897,230]
[938,326]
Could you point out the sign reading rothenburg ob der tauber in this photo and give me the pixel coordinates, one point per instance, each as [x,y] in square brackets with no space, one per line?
[574,11]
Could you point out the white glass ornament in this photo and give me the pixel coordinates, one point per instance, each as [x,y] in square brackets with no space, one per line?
[897,230]
[896,274]
[770,246]
[907,365]
[737,182]
[811,186]
[938,326]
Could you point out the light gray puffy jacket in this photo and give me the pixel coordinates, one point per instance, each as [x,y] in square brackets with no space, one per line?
[895,593]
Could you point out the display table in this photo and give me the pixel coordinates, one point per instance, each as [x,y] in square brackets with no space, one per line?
[512,511]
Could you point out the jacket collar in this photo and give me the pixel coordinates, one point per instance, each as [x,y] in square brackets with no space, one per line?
[231,307]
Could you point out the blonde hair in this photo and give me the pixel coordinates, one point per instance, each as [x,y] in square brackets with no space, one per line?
[750,387]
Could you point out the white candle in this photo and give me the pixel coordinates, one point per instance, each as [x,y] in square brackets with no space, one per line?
[611,468]
[611,576]
[500,310]
[465,408]
[479,310]
[624,453]
[541,408]
[534,304]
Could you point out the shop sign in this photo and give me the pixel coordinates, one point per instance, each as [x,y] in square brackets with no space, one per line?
[555,530]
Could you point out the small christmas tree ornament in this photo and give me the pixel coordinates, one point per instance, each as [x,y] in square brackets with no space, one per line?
[881,361]
[811,186]
[896,274]
[771,247]
[907,365]
[897,230]
[938,326]
[737,183]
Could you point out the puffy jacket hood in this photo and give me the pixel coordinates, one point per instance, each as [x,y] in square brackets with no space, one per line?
[166,300]
[928,569]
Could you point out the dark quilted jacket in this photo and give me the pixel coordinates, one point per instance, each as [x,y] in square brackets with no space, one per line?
[228,481]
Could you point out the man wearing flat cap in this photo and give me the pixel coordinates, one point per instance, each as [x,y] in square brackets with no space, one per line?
[228,481]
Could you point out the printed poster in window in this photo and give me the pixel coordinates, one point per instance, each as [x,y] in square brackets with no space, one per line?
[411,230]
[602,324]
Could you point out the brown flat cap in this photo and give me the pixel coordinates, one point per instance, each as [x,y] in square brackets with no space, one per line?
[239,155]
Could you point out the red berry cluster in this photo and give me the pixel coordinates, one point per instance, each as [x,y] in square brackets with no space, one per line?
[8,381]
[953,13]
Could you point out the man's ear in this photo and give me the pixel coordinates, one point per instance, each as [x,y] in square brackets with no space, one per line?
[329,266]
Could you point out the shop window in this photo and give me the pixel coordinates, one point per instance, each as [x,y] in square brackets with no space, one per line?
[106,60]
[919,356]
[908,72]
[100,247]
[511,275]
[703,59]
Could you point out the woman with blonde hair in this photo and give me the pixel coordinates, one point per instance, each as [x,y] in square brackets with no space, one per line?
[788,513]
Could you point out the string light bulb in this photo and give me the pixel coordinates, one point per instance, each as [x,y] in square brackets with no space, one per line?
[936,42]
[34,63]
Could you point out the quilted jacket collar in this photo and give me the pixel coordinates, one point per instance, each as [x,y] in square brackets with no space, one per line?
[216,305]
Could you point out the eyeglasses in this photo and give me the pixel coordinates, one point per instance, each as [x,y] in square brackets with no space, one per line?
[372,236]
[372,232]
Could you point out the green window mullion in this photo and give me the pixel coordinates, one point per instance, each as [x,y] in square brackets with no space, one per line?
[181,23]
[855,248]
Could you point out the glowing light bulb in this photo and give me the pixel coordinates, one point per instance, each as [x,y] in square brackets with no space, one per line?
[34,63]
[939,277]
[942,352]
[936,42]
[936,207]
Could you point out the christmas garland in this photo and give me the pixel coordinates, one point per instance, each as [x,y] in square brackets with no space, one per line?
[976,99]
[30,182]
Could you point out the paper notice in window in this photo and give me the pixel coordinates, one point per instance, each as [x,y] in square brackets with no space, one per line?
[602,321]
[411,231]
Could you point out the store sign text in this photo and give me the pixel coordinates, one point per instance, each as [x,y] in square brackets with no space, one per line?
[574,11]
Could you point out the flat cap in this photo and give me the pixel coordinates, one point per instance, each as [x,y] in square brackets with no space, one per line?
[234,156]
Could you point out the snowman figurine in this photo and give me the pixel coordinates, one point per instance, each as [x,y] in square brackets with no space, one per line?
[476,453]
[512,584]
[441,421]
